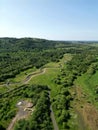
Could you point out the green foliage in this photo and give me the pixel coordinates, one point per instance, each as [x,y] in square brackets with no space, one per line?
[40,119]
[61,105]
[22,125]
[86,61]
[17,55]
[39,95]
[1,127]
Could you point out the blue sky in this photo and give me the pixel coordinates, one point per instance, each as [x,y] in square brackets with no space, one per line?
[49,19]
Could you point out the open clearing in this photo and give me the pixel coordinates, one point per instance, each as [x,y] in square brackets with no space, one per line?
[87,114]
[85,103]
[23,112]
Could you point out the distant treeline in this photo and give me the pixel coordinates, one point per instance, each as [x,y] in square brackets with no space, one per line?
[17,55]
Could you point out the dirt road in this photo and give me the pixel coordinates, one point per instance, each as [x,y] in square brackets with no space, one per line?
[53,119]
[22,113]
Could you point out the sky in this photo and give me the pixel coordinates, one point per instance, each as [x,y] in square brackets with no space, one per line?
[49,19]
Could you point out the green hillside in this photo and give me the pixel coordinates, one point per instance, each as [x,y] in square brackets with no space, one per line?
[46,85]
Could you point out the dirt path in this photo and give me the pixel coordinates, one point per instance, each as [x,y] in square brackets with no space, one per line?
[29,77]
[25,81]
[53,119]
[12,123]
[52,113]
[21,114]
[53,116]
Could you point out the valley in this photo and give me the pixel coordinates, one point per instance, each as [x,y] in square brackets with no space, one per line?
[58,78]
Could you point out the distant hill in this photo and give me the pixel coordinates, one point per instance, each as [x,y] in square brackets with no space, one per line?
[14,44]
[17,55]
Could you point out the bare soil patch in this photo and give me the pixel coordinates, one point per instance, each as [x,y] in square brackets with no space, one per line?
[89,114]
[23,112]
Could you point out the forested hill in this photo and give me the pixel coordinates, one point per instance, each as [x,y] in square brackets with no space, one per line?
[22,44]
[17,55]
[27,44]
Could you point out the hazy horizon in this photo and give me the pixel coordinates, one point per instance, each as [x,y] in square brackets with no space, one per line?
[74,20]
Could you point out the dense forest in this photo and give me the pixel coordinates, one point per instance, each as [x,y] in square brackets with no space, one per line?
[17,55]
[69,86]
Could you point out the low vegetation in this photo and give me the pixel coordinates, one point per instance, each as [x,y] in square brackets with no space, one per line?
[38,95]
[67,81]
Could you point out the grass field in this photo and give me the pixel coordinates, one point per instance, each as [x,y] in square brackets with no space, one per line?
[85,85]
[23,75]
[3,89]
[51,72]
[88,85]
[85,103]
[47,79]
[94,44]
